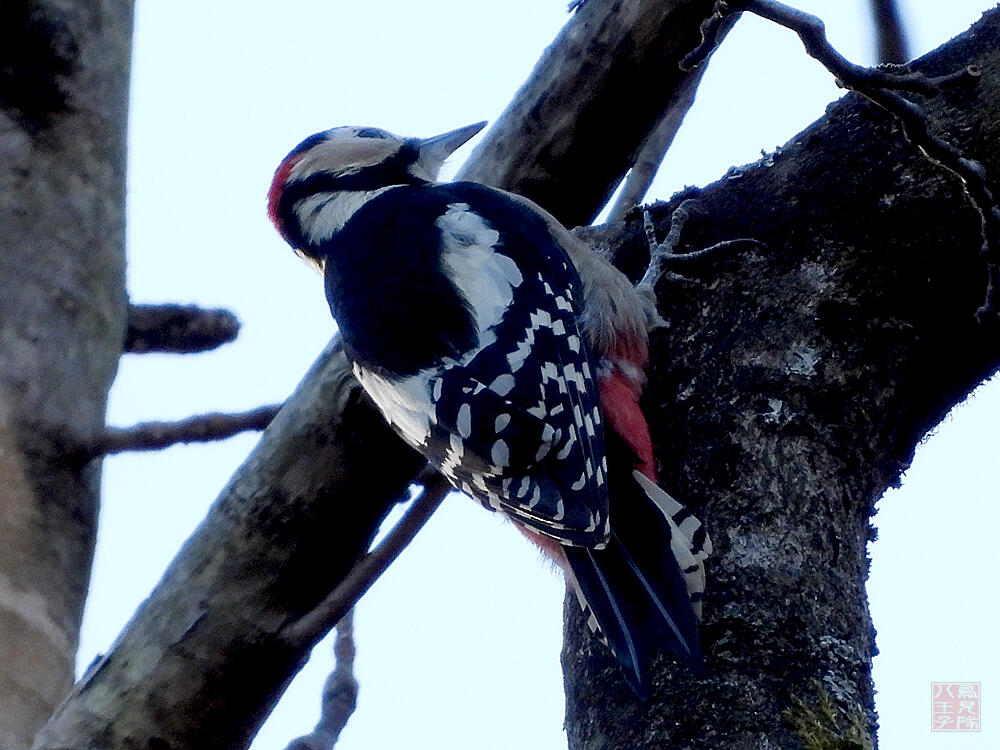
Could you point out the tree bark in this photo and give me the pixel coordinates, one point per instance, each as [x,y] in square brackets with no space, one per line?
[788,392]
[202,661]
[63,97]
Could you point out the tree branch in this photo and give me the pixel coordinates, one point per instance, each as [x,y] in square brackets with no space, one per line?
[178,329]
[654,148]
[880,87]
[578,122]
[317,622]
[340,692]
[341,689]
[284,532]
[201,428]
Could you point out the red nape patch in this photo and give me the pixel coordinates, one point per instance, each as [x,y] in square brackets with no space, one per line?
[274,193]
[620,406]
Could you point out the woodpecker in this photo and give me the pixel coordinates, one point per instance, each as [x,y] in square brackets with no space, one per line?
[512,357]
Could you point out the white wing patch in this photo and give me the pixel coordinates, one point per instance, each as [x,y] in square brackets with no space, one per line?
[406,403]
[484,277]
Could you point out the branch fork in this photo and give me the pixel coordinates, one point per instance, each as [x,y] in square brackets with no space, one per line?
[881,86]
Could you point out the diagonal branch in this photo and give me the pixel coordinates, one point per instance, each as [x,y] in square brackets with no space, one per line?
[341,689]
[340,693]
[575,127]
[654,149]
[317,622]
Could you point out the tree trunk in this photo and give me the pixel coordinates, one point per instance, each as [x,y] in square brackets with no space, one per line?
[789,390]
[63,94]
[791,387]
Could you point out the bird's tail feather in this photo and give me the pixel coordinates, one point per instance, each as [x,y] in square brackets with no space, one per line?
[689,541]
[643,590]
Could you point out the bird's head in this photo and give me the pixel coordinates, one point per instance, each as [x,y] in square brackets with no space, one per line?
[330,175]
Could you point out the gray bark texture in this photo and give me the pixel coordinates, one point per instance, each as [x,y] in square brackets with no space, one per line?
[63,93]
[203,660]
[788,391]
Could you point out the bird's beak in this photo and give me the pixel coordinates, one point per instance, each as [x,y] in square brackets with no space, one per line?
[437,148]
[440,147]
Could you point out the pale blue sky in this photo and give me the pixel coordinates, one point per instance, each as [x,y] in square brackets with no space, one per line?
[459,642]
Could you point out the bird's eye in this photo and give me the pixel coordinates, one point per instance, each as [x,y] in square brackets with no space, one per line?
[371,133]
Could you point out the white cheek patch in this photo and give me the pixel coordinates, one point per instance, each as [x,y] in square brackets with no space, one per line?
[484,277]
[323,215]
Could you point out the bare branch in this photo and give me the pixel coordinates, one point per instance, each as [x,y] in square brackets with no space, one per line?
[881,87]
[890,36]
[313,624]
[179,329]
[148,436]
[340,692]
[575,127]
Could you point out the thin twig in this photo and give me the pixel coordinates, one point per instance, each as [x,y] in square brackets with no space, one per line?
[881,87]
[201,428]
[340,692]
[178,329]
[311,626]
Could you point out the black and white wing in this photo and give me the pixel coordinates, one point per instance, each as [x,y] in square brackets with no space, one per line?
[513,419]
